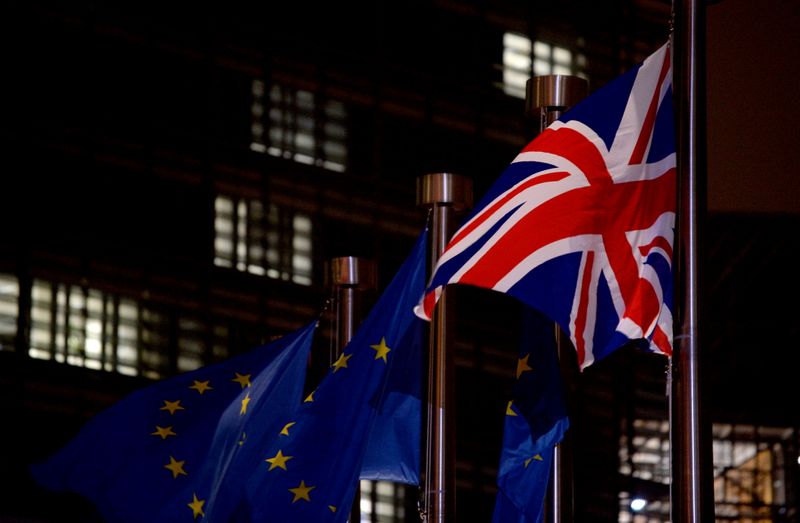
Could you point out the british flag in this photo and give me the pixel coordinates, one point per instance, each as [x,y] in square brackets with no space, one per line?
[581,224]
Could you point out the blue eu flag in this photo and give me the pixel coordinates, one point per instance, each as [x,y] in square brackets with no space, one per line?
[365,415]
[169,451]
[535,422]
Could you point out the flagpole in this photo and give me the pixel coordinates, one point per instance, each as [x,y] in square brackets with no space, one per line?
[347,275]
[691,487]
[546,99]
[443,194]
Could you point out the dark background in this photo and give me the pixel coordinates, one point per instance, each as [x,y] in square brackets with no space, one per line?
[120,123]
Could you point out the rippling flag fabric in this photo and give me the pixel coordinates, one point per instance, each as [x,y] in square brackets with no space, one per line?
[364,416]
[535,422]
[581,224]
[165,452]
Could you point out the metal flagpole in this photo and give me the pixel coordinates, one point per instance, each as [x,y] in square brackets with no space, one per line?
[347,275]
[691,486]
[546,99]
[444,194]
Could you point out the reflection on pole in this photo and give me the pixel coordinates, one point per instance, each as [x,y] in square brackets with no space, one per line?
[546,99]
[691,448]
[443,194]
[348,276]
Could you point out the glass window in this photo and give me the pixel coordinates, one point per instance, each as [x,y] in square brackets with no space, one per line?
[296,125]
[9,310]
[521,60]
[750,468]
[263,239]
[382,501]
[191,344]
[94,329]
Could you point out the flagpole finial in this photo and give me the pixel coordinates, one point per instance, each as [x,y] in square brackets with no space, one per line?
[553,94]
[444,189]
[350,271]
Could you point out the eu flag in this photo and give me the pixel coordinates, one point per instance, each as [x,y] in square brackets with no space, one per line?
[165,453]
[535,422]
[364,415]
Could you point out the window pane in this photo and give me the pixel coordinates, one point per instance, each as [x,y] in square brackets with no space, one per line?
[517,42]
[9,310]
[562,56]
[294,128]
[269,241]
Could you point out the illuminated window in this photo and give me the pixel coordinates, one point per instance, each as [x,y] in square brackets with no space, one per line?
[295,125]
[644,457]
[382,502]
[9,309]
[155,331]
[84,327]
[191,344]
[262,239]
[521,60]
[90,328]
[750,471]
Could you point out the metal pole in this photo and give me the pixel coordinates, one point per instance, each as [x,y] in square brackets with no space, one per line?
[443,193]
[346,275]
[693,501]
[547,97]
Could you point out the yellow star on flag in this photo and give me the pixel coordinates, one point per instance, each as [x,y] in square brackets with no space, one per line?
[242,379]
[278,461]
[331,508]
[285,429]
[509,411]
[197,506]
[310,397]
[164,432]
[381,350]
[201,386]
[537,457]
[522,365]
[245,401]
[341,363]
[172,406]
[301,492]
[176,467]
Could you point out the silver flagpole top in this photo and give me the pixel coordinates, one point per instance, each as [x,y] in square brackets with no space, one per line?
[444,189]
[554,92]
[350,271]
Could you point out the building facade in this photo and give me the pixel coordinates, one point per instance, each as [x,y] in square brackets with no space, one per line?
[176,180]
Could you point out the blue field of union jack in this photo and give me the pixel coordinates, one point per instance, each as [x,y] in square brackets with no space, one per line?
[581,224]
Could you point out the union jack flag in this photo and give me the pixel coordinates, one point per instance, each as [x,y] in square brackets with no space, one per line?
[581,224]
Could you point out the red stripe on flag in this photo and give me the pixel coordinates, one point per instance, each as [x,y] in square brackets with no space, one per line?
[650,118]
[660,242]
[489,211]
[661,341]
[583,305]
[429,303]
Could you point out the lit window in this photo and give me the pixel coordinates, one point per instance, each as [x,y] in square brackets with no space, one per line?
[191,344]
[127,337]
[521,60]
[295,125]
[155,341]
[90,328]
[749,471]
[263,239]
[9,309]
[516,64]
[382,501]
